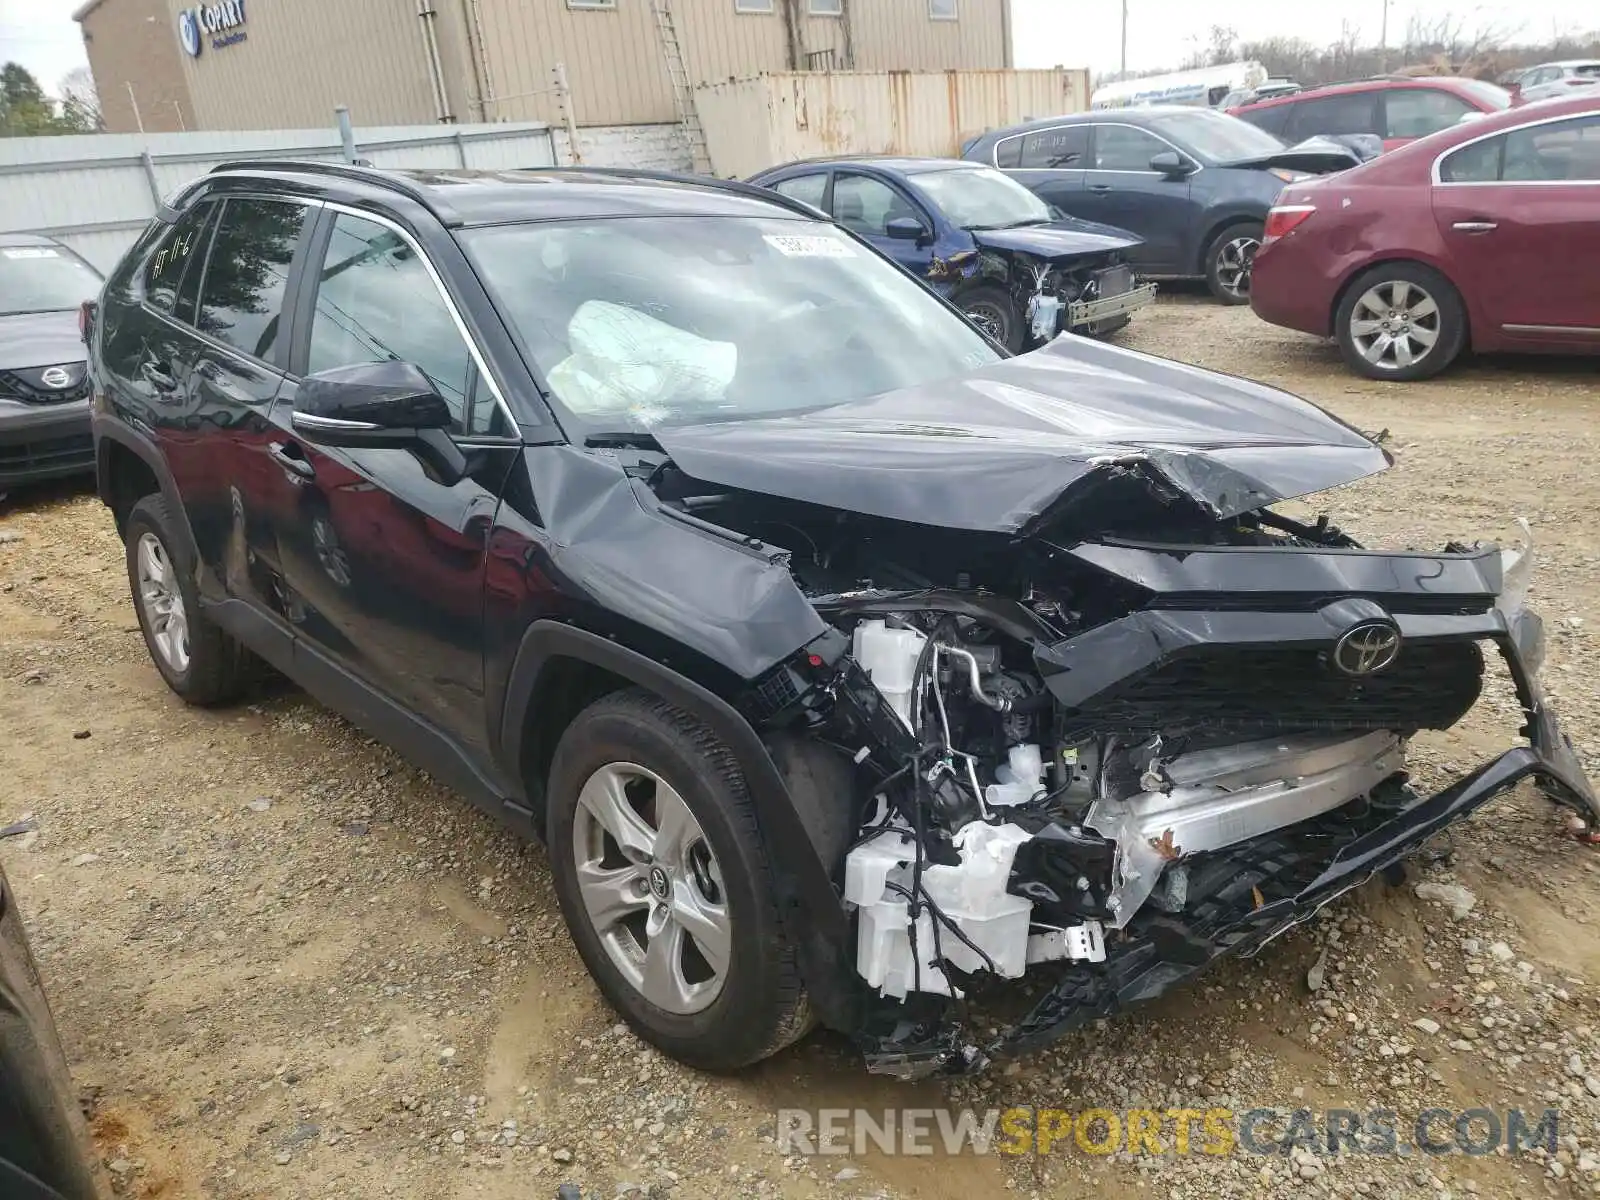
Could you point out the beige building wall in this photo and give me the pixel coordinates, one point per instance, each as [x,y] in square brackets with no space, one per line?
[614,63]
[301,58]
[134,41]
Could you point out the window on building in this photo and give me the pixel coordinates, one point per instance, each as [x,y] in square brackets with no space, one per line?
[591,3]
[825,8]
[807,189]
[753,6]
[941,10]
[184,245]
[247,273]
[1054,149]
[1124,148]
[376,302]
[1417,112]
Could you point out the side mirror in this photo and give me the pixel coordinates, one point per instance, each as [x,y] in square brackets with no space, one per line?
[905,229]
[1170,163]
[379,405]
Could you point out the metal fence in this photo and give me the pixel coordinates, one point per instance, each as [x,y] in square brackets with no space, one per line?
[95,193]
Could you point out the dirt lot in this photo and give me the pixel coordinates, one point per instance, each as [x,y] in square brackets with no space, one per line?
[285,964]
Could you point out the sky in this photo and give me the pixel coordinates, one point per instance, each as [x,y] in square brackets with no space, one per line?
[1161,33]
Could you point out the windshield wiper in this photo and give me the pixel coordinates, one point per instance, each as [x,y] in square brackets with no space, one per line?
[623,439]
[1007,225]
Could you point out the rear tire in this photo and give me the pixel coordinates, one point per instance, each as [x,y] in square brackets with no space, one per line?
[666,887]
[197,659]
[1228,260]
[992,311]
[1400,321]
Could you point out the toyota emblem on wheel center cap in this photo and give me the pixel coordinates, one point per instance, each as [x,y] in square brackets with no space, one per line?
[1367,648]
[660,887]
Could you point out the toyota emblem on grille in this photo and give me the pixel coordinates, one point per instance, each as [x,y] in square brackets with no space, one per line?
[1367,649]
[55,377]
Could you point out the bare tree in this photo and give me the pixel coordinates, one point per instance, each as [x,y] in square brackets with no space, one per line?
[80,104]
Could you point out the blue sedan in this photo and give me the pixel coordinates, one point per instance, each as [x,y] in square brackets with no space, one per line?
[1019,271]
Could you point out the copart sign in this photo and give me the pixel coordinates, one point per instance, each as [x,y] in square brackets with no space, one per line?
[221,24]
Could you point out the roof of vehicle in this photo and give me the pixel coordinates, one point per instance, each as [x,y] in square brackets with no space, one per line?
[1132,115]
[1449,83]
[1565,62]
[883,162]
[534,194]
[26,239]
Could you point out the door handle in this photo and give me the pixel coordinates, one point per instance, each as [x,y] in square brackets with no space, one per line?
[1476,226]
[158,376]
[1099,187]
[292,460]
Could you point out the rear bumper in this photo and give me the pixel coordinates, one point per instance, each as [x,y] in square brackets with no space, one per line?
[1287,290]
[39,442]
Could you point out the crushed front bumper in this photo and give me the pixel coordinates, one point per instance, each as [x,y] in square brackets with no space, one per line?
[1245,895]
[1092,313]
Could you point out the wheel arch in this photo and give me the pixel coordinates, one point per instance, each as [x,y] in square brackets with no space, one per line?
[560,669]
[1356,273]
[128,467]
[1215,224]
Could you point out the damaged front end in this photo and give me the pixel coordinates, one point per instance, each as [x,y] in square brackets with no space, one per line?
[1113,728]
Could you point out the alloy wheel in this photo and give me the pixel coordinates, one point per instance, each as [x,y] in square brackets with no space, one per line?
[1395,324]
[161,601]
[989,318]
[1233,264]
[652,888]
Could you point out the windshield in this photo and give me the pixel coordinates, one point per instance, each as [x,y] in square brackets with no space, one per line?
[1216,137]
[639,321]
[1489,94]
[982,199]
[43,279]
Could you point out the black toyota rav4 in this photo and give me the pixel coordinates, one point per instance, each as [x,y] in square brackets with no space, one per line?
[843,662]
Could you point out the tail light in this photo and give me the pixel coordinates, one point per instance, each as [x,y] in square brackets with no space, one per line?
[1283,218]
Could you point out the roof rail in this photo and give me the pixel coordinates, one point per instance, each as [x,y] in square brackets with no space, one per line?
[356,173]
[736,186]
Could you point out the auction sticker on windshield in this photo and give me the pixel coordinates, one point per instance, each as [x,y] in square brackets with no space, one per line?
[809,247]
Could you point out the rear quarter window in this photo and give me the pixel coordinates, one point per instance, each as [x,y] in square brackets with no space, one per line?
[1272,119]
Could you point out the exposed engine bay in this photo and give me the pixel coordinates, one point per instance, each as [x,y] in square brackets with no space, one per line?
[1055,769]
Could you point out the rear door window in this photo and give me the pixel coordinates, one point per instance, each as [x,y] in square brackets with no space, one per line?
[807,189]
[1055,149]
[1352,112]
[1561,151]
[247,274]
[1417,112]
[1274,119]
[169,267]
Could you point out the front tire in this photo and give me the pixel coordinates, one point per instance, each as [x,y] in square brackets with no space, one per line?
[992,311]
[197,659]
[666,887]
[1400,321]
[1229,259]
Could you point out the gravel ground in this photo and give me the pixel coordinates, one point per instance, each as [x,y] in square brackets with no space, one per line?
[287,964]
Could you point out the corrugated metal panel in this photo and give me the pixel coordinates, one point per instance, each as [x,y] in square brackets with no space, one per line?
[755,123]
[95,193]
[898,35]
[302,57]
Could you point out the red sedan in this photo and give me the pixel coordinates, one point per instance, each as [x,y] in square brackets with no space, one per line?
[1486,235]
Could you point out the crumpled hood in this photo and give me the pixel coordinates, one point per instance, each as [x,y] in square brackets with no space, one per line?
[1319,155]
[40,340]
[1059,239]
[995,449]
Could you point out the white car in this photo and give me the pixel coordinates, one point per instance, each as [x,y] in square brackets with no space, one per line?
[1559,78]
